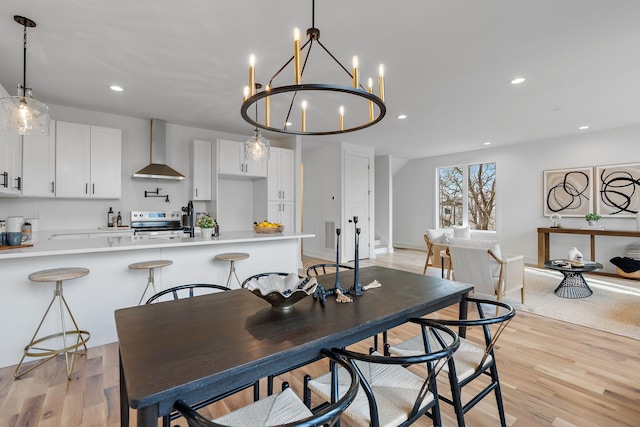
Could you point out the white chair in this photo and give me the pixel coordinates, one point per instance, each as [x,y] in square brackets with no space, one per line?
[480,263]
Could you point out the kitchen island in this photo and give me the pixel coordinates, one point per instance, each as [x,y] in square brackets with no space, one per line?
[111,285]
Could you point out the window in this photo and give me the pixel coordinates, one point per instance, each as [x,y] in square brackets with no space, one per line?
[467,195]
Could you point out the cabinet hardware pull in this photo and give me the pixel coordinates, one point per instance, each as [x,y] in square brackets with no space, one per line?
[19,179]
[86,188]
[53,188]
[196,192]
[93,188]
[5,181]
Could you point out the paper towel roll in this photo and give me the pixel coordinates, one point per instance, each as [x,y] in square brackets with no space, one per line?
[35,223]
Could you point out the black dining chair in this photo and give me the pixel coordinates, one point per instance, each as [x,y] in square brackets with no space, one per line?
[391,394]
[284,408]
[474,358]
[189,291]
[185,291]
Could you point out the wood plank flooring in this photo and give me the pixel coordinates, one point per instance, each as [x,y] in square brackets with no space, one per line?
[552,374]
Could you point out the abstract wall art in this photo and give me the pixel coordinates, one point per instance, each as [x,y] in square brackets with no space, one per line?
[618,190]
[568,192]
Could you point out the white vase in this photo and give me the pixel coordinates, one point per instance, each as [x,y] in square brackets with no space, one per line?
[574,254]
[206,232]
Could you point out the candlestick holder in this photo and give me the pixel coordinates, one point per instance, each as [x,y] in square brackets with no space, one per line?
[357,286]
[337,284]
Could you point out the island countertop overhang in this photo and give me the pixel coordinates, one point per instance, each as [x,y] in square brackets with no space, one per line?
[111,243]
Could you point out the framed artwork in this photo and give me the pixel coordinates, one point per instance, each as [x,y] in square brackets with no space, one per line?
[618,190]
[568,192]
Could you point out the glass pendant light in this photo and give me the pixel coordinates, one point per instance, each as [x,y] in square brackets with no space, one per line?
[22,114]
[257,147]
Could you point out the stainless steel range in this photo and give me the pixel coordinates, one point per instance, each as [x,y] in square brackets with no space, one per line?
[156,225]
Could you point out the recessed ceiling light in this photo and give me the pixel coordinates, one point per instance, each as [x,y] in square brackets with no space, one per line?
[402,116]
[116,88]
[517,80]
[585,127]
[486,143]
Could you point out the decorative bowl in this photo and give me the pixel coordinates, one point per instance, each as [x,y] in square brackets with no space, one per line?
[258,229]
[282,291]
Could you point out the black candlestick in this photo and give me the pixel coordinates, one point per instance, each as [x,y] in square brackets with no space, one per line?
[337,285]
[357,286]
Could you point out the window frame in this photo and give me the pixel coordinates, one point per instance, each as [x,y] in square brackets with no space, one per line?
[465,196]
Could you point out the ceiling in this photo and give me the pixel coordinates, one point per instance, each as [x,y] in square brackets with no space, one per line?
[448,63]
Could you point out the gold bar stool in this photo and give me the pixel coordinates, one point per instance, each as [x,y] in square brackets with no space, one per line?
[150,265]
[232,257]
[33,349]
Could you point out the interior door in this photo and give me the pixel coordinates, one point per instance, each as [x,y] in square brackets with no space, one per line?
[357,194]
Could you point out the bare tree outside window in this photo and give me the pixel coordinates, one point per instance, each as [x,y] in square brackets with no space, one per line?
[450,183]
[480,204]
[482,196]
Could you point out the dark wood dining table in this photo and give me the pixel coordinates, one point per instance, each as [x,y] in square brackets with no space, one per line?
[197,348]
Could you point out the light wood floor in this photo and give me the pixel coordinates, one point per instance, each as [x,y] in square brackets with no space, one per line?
[552,374]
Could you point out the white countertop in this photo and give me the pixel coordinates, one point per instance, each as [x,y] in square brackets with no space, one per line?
[43,246]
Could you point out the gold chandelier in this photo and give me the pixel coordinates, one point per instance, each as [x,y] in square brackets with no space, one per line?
[280,101]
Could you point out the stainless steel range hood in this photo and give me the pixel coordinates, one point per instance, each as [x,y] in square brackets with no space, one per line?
[158,169]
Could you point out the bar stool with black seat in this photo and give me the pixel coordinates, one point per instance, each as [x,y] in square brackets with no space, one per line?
[143,265]
[232,257]
[68,345]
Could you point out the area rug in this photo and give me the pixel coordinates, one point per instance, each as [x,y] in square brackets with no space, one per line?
[614,306]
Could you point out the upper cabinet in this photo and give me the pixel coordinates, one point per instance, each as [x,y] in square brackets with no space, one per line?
[10,164]
[39,164]
[231,161]
[280,177]
[88,161]
[201,170]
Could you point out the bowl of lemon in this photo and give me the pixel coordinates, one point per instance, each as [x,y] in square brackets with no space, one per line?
[267,227]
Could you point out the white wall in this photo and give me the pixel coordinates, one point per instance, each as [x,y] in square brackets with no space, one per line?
[322,196]
[384,198]
[520,200]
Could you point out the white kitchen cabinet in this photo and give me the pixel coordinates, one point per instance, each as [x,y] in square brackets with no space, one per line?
[10,164]
[39,164]
[201,178]
[88,161]
[280,181]
[231,161]
[106,163]
[281,212]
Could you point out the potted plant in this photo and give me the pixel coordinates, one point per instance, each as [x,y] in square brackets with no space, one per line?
[592,218]
[206,224]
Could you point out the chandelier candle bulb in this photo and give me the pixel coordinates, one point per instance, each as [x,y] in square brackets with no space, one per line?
[245,93]
[356,78]
[252,75]
[304,116]
[381,81]
[296,55]
[370,90]
[267,108]
[341,117]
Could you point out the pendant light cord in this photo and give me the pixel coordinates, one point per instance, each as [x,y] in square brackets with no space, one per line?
[24,63]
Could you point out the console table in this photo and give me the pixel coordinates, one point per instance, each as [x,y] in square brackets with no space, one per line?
[543,239]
